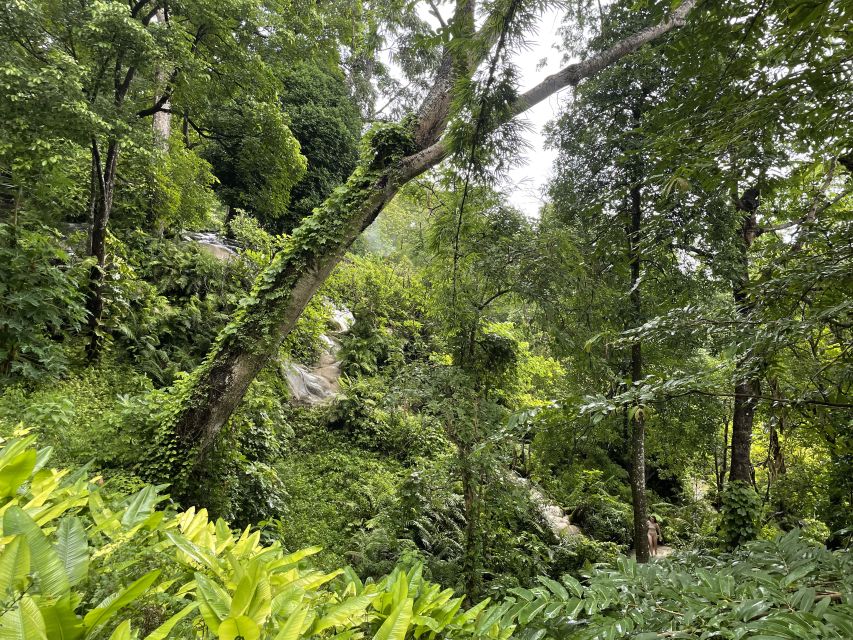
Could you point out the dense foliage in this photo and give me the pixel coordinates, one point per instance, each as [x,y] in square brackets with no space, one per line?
[78,558]
[311,369]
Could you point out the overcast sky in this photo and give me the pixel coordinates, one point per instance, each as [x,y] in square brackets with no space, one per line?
[526,182]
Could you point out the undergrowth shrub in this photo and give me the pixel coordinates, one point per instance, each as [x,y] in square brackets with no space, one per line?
[77,561]
[41,302]
[578,553]
[692,524]
[360,412]
[77,415]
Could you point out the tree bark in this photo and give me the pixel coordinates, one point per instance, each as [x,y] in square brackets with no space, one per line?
[721,465]
[747,385]
[776,458]
[282,291]
[638,431]
[104,177]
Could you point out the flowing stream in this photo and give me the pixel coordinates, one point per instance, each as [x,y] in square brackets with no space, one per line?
[320,382]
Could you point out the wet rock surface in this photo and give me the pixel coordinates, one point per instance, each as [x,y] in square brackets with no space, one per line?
[556,519]
[320,382]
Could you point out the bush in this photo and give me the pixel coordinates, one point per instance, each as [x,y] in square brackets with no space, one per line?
[693,524]
[579,553]
[41,302]
[402,435]
[77,416]
[601,516]
[79,562]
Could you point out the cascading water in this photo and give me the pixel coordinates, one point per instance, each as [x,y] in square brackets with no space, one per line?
[556,519]
[320,382]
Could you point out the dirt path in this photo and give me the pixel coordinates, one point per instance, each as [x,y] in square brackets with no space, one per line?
[663,552]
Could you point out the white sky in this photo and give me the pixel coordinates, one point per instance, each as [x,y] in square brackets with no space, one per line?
[526,182]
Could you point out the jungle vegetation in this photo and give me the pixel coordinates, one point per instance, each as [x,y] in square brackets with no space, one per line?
[282,357]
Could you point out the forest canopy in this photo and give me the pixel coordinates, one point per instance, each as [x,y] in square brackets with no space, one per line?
[306,365]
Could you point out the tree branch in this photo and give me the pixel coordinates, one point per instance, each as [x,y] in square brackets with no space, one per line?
[433,113]
[437,14]
[164,97]
[721,394]
[689,248]
[574,73]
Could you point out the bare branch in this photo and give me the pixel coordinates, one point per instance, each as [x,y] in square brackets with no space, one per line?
[571,75]
[437,14]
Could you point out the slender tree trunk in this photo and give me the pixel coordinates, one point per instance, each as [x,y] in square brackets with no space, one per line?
[777,466]
[102,204]
[748,384]
[721,465]
[472,555]
[638,432]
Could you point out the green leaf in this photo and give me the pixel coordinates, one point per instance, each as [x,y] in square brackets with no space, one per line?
[110,606]
[61,622]
[396,625]
[161,632]
[240,627]
[214,601]
[556,588]
[14,565]
[344,613]
[72,547]
[23,622]
[122,632]
[16,471]
[141,506]
[292,629]
[44,562]
[798,573]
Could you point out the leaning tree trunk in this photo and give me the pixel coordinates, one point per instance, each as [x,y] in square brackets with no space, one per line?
[638,431]
[396,154]
[747,383]
[103,188]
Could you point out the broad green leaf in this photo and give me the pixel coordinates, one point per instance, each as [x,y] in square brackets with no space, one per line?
[110,606]
[396,625]
[14,565]
[194,552]
[23,622]
[15,471]
[798,573]
[344,613]
[141,507]
[61,622]
[292,629]
[556,588]
[122,632]
[162,632]
[44,561]
[239,627]
[214,601]
[72,547]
